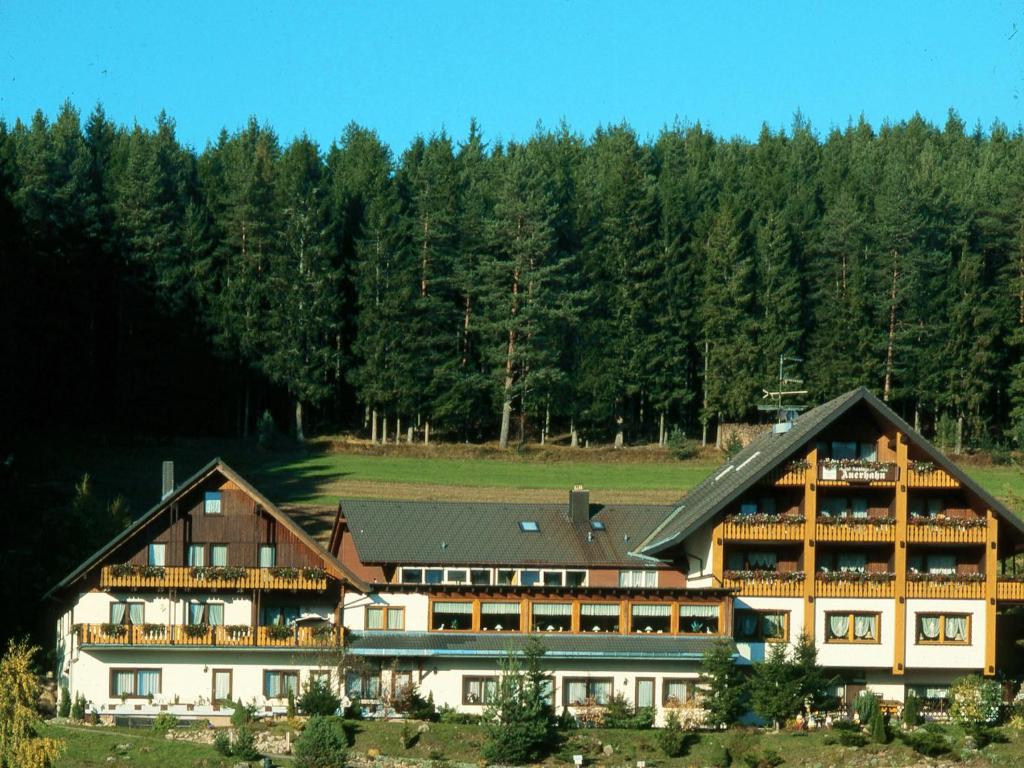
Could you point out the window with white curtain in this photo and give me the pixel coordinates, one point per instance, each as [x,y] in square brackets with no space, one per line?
[644,692]
[268,555]
[277,683]
[221,684]
[552,617]
[219,555]
[196,555]
[943,628]
[479,690]
[133,611]
[134,683]
[638,578]
[211,502]
[215,614]
[499,616]
[675,691]
[851,627]
[447,614]
[940,563]
[582,690]
[157,554]
[698,619]
[761,626]
[599,617]
[650,618]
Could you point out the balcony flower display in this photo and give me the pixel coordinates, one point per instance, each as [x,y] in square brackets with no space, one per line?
[154,630]
[765,575]
[848,519]
[122,570]
[280,632]
[760,518]
[945,521]
[922,467]
[314,574]
[114,630]
[288,574]
[798,465]
[856,577]
[946,578]
[218,572]
[195,630]
[238,631]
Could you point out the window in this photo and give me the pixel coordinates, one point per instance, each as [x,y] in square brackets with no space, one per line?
[401,682]
[457,576]
[852,628]
[130,613]
[869,451]
[748,508]
[644,692]
[675,691]
[577,691]
[499,617]
[698,619]
[940,563]
[412,576]
[943,629]
[156,554]
[362,685]
[196,555]
[480,577]
[278,682]
[553,578]
[842,450]
[597,525]
[575,578]
[211,502]
[219,555]
[434,576]
[529,578]
[552,617]
[935,507]
[479,690]
[196,613]
[505,576]
[833,506]
[645,579]
[279,615]
[134,683]
[762,626]
[215,614]
[268,555]
[529,526]
[385,617]
[221,685]
[599,617]
[445,614]
[851,562]
[766,504]
[859,506]
[650,618]
[934,696]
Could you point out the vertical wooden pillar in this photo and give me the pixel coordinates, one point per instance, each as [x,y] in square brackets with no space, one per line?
[810,544]
[717,554]
[900,559]
[991,589]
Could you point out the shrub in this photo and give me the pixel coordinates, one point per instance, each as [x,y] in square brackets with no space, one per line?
[717,756]
[448,714]
[644,718]
[775,690]
[680,446]
[566,722]
[78,708]
[408,736]
[866,706]
[733,444]
[879,728]
[724,690]
[974,701]
[222,743]
[265,429]
[929,741]
[767,759]
[672,739]
[618,712]
[318,699]
[290,711]
[319,745]
[64,710]
[849,734]
[164,722]
[912,711]
[244,747]
[243,713]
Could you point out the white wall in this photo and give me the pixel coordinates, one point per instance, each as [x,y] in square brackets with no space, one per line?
[700,565]
[880,655]
[416,609]
[946,656]
[750,652]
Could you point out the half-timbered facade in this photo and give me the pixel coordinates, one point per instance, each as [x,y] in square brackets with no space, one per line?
[845,525]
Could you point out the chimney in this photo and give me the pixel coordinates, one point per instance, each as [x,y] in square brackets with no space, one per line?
[168,480]
[579,506]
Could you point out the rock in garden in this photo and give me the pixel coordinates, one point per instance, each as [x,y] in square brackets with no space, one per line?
[608,749]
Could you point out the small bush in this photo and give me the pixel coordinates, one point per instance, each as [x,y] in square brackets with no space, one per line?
[448,714]
[672,739]
[290,711]
[78,708]
[64,710]
[566,722]
[243,713]
[408,736]
[879,728]
[733,444]
[680,446]
[319,746]
[912,711]
[717,756]
[164,723]
[738,744]
[318,699]
[929,741]
[866,706]
[244,747]
[222,743]
[974,701]
[643,719]
[265,429]
[767,759]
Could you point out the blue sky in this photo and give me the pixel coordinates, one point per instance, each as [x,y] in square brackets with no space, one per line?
[407,68]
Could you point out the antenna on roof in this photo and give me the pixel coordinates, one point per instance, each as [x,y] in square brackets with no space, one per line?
[785,413]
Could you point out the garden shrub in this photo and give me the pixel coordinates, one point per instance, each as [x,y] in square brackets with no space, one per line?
[643,719]
[879,728]
[717,756]
[912,711]
[618,712]
[164,723]
[266,430]
[448,714]
[680,446]
[64,709]
[222,743]
[319,745]
[767,759]
[866,706]
[672,739]
[318,699]
[930,741]
[849,734]
[739,743]
[244,747]
[290,711]
[242,714]
[974,701]
[78,708]
[408,736]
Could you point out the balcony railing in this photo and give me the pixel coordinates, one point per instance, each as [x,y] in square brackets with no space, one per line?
[203,635]
[871,585]
[762,528]
[856,529]
[930,478]
[211,578]
[768,584]
[949,530]
[1010,590]
[788,476]
[946,588]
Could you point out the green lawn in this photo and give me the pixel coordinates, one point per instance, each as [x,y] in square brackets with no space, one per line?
[461,744]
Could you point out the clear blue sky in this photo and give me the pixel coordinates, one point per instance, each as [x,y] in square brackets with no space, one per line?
[405,68]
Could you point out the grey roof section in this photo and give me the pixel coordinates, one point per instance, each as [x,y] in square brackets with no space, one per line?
[471,533]
[496,645]
[767,451]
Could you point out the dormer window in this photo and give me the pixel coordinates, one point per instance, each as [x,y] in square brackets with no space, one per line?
[597,525]
[211,503]
[529,526]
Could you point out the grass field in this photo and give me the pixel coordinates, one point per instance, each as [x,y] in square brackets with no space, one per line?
[460,744]
[325,470]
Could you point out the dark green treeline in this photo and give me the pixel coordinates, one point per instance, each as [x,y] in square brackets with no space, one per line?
[606,287]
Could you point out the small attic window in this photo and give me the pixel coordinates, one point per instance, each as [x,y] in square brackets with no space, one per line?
[597,525]
[529,526]
[211,502]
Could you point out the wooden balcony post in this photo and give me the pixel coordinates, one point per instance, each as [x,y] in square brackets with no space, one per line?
[900,582]
[991,589]
[810,523]
[718,553]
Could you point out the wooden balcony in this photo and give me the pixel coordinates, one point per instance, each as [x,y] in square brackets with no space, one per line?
[787,477]
[221,636]
[765,586]
[925,532]
[212,579]
[946,590]
[1010,590]
[933,478]
[839,588]
[738,529]
[855,530]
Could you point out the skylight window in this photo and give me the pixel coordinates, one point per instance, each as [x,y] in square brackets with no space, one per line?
[529,526]
[597,525]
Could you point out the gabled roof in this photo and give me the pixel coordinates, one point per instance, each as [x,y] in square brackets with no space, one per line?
[470,533]
[766,452]
[332,565]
